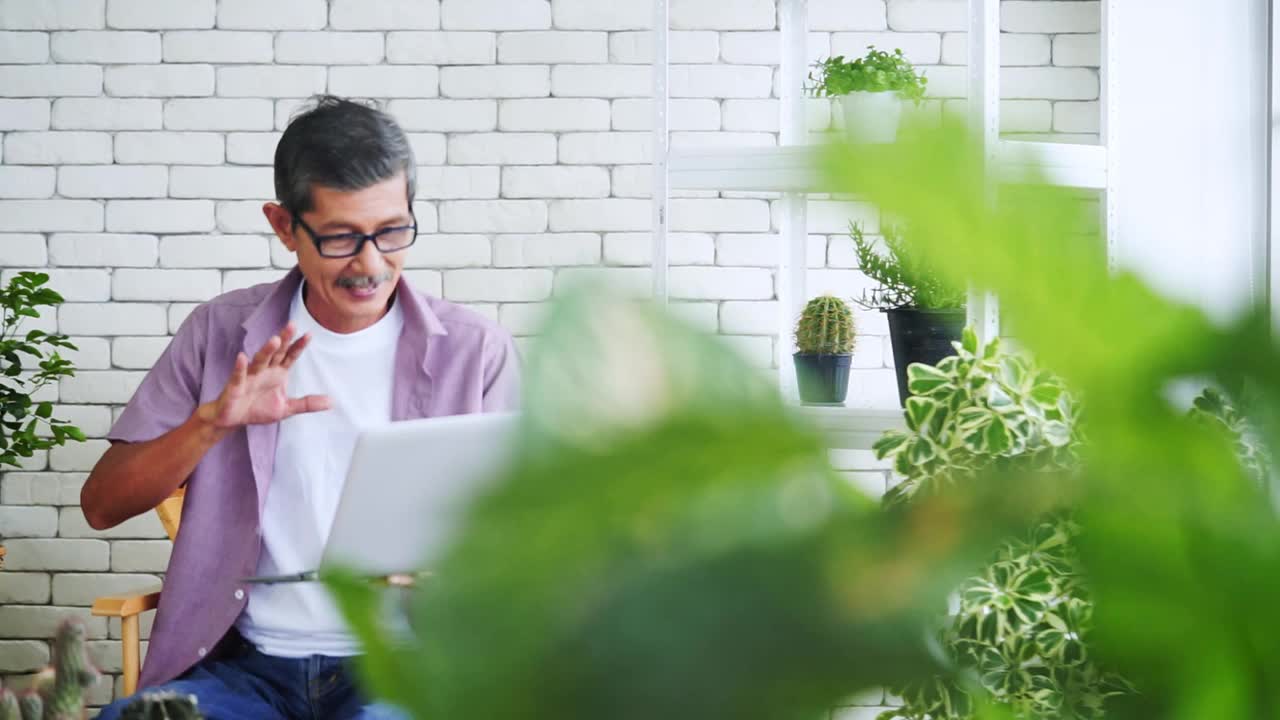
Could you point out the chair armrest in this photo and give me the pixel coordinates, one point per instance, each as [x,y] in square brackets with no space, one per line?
[123,606]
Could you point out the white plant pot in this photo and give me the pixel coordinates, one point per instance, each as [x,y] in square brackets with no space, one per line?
[871,117]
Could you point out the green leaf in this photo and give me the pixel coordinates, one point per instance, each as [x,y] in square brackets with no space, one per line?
[918,410]
[923,379]
[969,340]
[889,444]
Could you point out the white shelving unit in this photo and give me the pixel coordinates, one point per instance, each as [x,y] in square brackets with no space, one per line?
[789,169]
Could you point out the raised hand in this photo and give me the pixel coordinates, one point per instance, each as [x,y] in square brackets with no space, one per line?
[257,392]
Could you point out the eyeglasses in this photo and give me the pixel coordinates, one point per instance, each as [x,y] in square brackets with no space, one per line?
[340,245]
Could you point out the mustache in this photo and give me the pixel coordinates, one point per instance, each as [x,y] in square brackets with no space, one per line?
[360,281]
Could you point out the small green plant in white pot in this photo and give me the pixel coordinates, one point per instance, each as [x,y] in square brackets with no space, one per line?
[871,90]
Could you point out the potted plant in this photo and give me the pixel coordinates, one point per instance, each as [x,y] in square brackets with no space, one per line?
[926,314]
[871,90]
[824,342]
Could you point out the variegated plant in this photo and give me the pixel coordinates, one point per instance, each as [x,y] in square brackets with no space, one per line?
[1017,633]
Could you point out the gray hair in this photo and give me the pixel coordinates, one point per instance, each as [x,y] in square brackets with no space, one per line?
[341,144]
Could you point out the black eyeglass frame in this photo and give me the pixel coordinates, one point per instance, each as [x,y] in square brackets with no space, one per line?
[318,240]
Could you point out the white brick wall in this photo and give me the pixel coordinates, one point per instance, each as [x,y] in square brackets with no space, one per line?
[136,140]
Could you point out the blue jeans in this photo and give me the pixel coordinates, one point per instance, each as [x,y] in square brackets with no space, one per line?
[244,683]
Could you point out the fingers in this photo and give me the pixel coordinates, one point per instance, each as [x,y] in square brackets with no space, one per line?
[286,335]
[309,403]
[295,350]
[279,351]
[262,358]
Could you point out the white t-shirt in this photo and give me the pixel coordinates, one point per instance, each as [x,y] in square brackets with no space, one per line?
[313,451]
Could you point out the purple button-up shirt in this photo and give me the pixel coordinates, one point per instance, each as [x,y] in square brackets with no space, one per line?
[449,361]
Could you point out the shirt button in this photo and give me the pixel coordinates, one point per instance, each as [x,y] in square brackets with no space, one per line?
[239,594]
[202,652]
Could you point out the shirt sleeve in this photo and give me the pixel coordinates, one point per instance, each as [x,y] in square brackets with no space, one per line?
[170,392]
[502,374]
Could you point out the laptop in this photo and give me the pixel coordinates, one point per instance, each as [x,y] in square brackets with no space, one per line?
[407,490]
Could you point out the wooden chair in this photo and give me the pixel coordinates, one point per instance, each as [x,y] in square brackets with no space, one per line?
[129,607]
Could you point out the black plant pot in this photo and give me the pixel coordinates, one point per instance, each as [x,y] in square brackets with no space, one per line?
[822,379]
[922,336]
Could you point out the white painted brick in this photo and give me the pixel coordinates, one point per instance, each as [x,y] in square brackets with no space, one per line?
[273,81]
[761,114]
[27,522]
[445,115]
[179,311]
[24,114]
[849,15]
[497,81]
[430,282]
[720,81]
[497,285]
[449,182]
[920,48]
[832,217]
[682,114]
[552,114]
[384,14]
[43,622]
[404,81]
[97,46]
[493,216]
[240,279]
[160,14]
[188,148]
[698,215]
[555,182]
[755,351]
[1077,50]
[1050,16]
[551,47]
[843,283]
[625,282]
[1058,137]
[251,148]
[605,148]
[218,114]
[113,181]
[495,14]
[159,80]
[764,250]
[281,257]
[502,149]
[329,48]
[22,251]
[72,524]
[487,310]
[223,183]
[275,15]
[636,248]
[765,47]
[716,283]
[108,319]
[38,461]
[547,249]
[25,47]
[701,316]
[1025,115]
[163,285]
[723,15]
[749,317]
[75,285]
[160,216]
[683,46]
[23,656]
[241,216]
[601,14]
[930,15]
[449,251]
[81,457]
[50,80]
[50,215]
[428,148]
[442,48]
[214,251]
[945,81]
[24,588]
[105,654]
[140,555]
[91,353]
[591,81]
[57,148]
[636,181]
[684,140]
[94,420]
[26,181]
[218,46]
[1077,117]
[98,250]
[81,590]
[520,319]
[600,215]
[51,14]
[56,555]
[1015,49]
[1051,83]
[106,114]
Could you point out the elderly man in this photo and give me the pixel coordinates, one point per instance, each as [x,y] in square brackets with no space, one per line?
[255,406]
